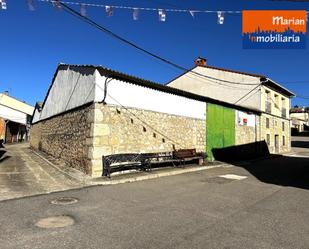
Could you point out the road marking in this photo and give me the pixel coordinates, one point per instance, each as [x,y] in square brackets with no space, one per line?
[233,177]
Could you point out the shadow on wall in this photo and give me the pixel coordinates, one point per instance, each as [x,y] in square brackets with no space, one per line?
[278,170]
[241,152]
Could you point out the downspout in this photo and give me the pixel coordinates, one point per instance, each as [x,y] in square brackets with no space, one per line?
[5,126]
[107,80]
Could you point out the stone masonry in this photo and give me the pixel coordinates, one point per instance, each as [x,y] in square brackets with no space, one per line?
[82,137]
[247,134]
[65,137]
[277,126]
[127,130]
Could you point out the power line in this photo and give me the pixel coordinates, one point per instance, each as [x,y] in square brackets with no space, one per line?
[247,93]
[302,97]
[114,35]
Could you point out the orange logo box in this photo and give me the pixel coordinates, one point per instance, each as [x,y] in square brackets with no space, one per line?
[278,28]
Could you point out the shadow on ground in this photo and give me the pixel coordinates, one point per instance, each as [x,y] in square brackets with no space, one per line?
[2,157]
[272,169]
[300,144]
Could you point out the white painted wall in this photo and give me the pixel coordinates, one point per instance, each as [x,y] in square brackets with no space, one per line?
[219,90]
[90,87]
[130,95]
[63,96]
[13,115]
[240,116]
[16,104]
[36,116]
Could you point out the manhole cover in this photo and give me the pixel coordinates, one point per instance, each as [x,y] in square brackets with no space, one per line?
[64,201]
[55,222]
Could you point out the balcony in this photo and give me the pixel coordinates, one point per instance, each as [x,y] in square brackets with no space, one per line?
[283,112]
[268,107]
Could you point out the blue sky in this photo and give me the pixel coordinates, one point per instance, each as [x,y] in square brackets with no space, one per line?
[34,42]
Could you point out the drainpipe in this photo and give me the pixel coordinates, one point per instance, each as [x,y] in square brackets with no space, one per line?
[107,80]
[5,126]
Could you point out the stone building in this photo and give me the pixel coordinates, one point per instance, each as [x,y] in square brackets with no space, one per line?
[254,91]
[15,116]
[91,111]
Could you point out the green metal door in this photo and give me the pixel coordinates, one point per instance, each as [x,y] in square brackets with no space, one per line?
[220,128]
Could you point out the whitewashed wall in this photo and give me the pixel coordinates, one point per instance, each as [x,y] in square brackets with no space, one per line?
[135,96]
[13,115]
[219,90]
[72,88]
[36,116]
[241,116]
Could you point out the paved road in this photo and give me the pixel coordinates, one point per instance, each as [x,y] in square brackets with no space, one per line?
[23,173]
[268,209]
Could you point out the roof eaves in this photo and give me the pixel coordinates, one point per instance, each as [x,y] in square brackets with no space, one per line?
[285,90]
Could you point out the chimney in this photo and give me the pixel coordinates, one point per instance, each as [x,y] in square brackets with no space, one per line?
[201,62]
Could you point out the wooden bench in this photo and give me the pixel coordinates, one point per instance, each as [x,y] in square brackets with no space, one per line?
[186,155]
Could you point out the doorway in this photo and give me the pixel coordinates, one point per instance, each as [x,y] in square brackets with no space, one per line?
[277,144]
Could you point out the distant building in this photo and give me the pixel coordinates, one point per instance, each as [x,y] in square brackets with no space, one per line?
[300,118]
[15,117]
[247,90]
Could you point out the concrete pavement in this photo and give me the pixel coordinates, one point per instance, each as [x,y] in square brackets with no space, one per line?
[268,209]
[23,173]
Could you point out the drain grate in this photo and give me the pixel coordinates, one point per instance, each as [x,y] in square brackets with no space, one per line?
[55,222]
[64,201]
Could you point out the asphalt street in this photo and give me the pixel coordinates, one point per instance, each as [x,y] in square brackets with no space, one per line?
[268,209]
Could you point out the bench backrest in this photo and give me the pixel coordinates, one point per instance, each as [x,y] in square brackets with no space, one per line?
[185,153]
[122,158]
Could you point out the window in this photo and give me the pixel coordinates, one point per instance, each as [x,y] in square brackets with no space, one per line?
[267,95]
[267,122]
[283,140]
[283,102]
[268,139]
[283,127]
[276,100]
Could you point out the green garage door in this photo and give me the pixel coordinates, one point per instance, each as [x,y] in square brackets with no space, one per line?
[220,128]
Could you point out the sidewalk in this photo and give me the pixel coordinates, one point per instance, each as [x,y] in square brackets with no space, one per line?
[23,173]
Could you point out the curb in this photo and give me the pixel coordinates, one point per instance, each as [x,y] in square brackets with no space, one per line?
[156,175]
[151,175]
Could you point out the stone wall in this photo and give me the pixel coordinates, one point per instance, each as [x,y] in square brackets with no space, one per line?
[276,128]
[65,137]
[120,130]
[245,134]
[246,128]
